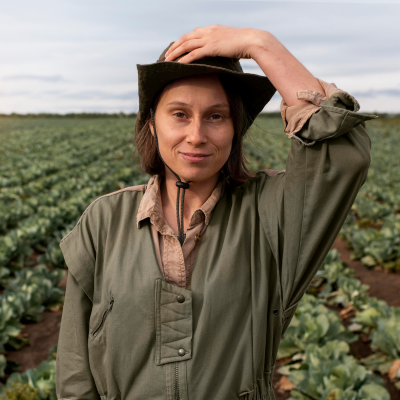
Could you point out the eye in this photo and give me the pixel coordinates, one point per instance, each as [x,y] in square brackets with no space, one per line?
[218,115]
[213,115]
[179,113]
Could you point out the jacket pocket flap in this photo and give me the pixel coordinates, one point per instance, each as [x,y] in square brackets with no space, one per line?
[173,319]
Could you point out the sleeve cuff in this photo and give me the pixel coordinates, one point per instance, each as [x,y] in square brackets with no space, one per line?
[294,117]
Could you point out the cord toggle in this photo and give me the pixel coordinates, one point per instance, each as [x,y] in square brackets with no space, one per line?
[182,185]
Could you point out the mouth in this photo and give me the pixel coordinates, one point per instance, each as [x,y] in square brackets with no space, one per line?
[195,157]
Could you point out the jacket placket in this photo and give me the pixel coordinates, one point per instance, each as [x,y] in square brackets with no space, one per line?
[173,319]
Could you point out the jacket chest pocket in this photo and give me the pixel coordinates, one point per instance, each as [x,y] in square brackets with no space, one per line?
[100,325]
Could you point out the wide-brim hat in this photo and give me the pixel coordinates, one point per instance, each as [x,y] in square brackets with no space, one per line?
[256,90]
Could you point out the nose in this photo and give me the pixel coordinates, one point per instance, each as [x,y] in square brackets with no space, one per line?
[196,132]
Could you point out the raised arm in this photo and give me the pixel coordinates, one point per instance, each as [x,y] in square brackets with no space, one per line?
[285,72]
[304,207]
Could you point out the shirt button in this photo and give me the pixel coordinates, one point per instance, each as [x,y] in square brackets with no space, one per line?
[180,298]
[181,352]
[275,311]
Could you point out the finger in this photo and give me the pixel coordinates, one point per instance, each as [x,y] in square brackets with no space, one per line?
[193,55]
[185,47]
[183,38]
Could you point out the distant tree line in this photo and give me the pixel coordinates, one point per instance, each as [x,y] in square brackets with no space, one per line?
[70,115]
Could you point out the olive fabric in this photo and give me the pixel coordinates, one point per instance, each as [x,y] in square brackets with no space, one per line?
[294,117]
[127,333]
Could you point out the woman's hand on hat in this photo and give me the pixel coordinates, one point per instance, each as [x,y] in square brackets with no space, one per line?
[284,71]
[212,41]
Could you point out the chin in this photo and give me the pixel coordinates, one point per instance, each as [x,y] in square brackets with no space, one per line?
[196,176]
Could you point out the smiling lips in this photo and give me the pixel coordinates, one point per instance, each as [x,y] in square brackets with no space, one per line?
[195,157]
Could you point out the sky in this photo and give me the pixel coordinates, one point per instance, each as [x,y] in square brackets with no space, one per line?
[81,55]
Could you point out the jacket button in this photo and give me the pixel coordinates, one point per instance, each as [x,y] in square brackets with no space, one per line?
[275,311]
[181,352]
[180,298]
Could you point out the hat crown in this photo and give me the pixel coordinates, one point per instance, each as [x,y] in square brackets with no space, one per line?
[232,64]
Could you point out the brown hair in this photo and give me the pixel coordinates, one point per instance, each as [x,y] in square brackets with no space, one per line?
[236,165]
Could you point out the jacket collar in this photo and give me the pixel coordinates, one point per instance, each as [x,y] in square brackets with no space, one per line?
[151,205]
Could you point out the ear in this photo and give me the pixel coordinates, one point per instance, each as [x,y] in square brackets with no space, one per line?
[151,127]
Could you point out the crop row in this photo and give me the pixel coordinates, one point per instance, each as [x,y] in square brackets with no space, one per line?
[17,245]
[315,351]
[26,142]
[17,177]
[49,190]
[375,247]
[372,228]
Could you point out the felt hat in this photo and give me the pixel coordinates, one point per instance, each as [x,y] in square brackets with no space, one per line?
[256,90]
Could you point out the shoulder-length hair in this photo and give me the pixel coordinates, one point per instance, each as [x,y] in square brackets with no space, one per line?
[236,165]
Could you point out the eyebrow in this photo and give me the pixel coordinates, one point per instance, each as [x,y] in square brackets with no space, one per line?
[180,103]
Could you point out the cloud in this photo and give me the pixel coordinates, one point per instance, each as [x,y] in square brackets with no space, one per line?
[97,94]
[96,45]
[41,78]
[374,93]
[16,93]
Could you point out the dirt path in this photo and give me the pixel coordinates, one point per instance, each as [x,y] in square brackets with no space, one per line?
[383,285]
[41,335]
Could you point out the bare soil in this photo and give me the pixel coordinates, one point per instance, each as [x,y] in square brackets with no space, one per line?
[383,284]
[42,336]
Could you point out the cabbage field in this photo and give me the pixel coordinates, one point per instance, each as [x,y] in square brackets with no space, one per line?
[343,342]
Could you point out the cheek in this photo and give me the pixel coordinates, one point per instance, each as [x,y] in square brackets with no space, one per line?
[225,144]
[171,138]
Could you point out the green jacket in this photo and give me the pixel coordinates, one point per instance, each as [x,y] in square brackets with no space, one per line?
[127,333]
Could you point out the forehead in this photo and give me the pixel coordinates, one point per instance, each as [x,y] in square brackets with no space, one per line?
[191,87]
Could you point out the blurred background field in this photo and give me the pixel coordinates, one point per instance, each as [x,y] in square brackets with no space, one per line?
[51,169]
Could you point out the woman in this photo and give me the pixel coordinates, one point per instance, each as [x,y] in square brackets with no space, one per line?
[154,311]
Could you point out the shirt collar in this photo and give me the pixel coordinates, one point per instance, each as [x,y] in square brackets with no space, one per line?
[151,205]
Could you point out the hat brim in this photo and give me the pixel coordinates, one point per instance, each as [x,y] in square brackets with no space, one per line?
[256,90]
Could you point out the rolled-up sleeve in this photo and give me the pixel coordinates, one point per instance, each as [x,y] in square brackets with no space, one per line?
[294,117]
[74,380]
[303,207]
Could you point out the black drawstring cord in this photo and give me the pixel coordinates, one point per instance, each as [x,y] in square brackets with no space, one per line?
[179,184]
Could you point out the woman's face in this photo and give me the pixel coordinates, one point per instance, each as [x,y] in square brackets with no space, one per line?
[194,127]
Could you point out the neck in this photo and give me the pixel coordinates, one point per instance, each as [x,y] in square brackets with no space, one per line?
[195,196]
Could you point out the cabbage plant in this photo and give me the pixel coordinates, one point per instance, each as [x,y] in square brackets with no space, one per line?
[328,372]
[312,323]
